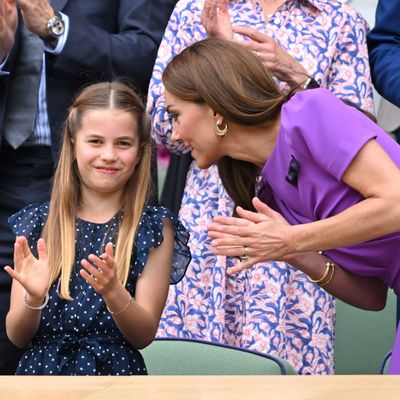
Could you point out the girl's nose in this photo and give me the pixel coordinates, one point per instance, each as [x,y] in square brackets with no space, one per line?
[108,154]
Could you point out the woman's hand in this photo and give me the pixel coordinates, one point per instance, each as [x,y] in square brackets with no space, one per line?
[101,273]
[255,237]
[31,272]
[216,19]
[8,26]
[282,65]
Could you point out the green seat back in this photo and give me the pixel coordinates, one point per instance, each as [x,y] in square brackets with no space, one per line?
[363,338]
[192,357]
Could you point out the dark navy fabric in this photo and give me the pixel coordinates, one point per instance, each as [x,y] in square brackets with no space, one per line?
[80,337]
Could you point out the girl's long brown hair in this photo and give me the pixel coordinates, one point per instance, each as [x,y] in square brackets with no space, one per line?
[59,230]
[234,83]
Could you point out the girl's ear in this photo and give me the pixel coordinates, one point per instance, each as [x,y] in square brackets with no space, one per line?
[73,147]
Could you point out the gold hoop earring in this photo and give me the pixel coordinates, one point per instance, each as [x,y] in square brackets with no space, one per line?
[220,132]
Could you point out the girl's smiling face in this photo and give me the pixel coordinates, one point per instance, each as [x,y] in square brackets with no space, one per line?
[193,124]
[106,150]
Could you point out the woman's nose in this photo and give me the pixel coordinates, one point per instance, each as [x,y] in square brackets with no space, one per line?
[175,135]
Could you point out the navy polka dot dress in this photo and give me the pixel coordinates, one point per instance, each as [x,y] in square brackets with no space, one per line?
[80,337]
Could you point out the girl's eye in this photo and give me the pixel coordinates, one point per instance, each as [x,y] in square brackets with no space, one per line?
[124,144]
[95,141]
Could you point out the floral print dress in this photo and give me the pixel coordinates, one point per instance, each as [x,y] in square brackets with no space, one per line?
[272,307]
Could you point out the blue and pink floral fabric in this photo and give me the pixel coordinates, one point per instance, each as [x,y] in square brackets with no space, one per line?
[272,307]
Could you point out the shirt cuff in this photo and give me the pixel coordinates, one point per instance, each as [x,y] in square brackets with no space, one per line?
[62,39]
[2,66]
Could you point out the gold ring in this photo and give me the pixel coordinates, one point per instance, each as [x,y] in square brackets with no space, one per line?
[245,255]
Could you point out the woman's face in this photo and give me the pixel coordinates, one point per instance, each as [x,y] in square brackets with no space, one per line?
[193,124]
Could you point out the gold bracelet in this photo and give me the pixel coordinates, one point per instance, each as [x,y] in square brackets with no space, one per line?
[332,270]
[324,276]
[123,309]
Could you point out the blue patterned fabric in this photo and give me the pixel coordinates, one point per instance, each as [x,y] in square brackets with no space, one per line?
[271,308]
[80,337]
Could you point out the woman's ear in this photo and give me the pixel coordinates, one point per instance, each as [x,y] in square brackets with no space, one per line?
[218,118]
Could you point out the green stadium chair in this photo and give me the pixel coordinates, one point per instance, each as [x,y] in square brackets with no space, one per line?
[176,356]
[363,337]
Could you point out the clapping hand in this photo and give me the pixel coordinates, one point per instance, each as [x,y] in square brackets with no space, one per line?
[254,237]
[282,65]
[31,272]
[217,23]
[8,26]
[101,273]
[216,19]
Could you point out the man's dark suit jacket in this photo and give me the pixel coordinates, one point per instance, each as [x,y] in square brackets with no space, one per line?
[107,39]
[384,50]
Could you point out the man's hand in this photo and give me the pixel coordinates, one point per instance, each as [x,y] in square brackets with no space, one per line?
[36,14]
[8,25]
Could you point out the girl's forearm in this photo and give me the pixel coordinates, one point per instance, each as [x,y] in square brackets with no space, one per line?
[22,323]
[137,324]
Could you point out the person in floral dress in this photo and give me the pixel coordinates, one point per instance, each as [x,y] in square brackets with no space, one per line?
[272,308]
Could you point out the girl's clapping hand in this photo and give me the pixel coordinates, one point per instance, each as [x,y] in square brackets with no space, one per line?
[101,273]
[31,272]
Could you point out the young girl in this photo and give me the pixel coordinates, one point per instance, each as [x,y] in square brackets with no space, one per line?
[94,291]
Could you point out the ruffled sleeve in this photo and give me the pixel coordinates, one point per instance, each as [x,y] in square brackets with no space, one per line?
[150,236]
[29,222]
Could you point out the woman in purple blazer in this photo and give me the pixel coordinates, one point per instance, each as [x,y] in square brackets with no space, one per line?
[330,178]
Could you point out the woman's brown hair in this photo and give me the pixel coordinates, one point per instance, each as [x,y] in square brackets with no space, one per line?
[233,81]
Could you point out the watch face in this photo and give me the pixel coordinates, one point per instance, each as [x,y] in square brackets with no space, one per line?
[56,26]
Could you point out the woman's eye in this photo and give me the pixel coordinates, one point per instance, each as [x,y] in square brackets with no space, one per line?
[173,116]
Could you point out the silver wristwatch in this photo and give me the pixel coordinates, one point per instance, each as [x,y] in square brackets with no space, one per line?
[55,28]
[55,25]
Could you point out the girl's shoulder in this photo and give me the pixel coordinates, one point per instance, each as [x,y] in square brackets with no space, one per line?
[29,219]
[150,235]
[158,212]
[152,224]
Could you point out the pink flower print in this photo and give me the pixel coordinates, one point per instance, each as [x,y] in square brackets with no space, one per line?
[205,279]
[306,304]
[247,333]
[274,291]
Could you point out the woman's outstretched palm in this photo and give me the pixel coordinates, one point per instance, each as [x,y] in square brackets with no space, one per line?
[31,272]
